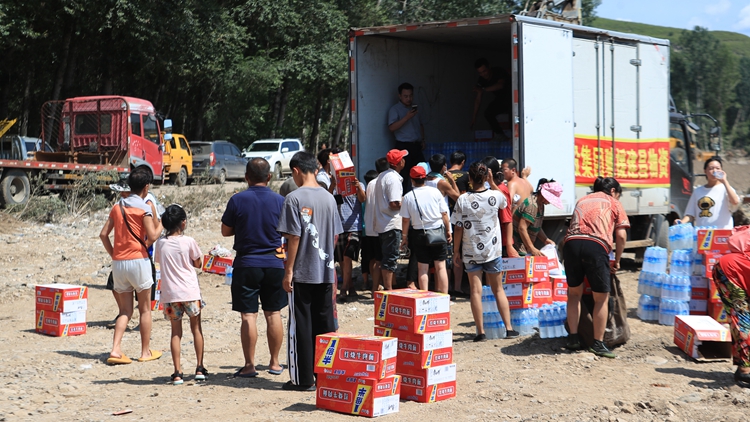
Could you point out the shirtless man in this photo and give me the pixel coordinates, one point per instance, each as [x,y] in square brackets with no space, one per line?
[519,187]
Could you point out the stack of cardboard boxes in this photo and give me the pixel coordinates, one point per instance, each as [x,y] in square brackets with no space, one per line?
[421,322]
[527,284]
[61,309]
[712,245]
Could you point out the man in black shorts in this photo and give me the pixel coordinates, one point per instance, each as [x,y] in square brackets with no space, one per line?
[258,269]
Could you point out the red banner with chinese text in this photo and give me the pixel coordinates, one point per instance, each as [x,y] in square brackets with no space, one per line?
[633,162]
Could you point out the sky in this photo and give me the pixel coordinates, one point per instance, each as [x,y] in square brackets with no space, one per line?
[716,15]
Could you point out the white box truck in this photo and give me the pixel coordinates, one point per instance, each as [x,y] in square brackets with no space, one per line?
[586,102]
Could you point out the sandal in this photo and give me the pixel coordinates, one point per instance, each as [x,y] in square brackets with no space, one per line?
[200,373]
[176,381]
[742,379]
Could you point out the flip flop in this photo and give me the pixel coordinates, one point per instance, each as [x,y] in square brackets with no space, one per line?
[276,371]
[155,354]
[123,360]
[238,374]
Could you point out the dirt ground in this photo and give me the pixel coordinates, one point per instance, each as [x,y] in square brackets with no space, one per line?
[529,378]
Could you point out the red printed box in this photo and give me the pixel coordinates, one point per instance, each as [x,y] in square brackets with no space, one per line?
[61,297]
[702,338]
[528,269]
[216,264]
[559,288]
[528,295]
[416,384]
[156,304]
[713,241]
[346,177]
[358,396]
[717,312]
[699,293]
[713,292]
[710,260]
[420,350]
[698,307]
[415,311]
[61,324]
[355,355]
[698,282]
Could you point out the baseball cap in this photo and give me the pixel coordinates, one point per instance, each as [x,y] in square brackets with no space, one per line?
[395,156]
[417,172]
[551,192]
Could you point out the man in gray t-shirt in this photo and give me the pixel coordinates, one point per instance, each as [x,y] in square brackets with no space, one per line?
[309,221]
[404,123]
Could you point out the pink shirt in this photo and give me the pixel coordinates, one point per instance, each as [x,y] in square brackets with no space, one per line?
[175,255]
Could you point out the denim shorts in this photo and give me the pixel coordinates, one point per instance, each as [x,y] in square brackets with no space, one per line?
[489,267]
[390,244]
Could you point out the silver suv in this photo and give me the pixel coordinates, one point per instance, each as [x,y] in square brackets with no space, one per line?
[218,160]
[277,152]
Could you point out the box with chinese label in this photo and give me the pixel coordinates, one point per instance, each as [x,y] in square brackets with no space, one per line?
[156,304]
[417,384]
[716,311]
[416,311]
[702,338]
[528,269]
[528,295]
[358,396]
[61,297]
[355,355]
[216,264]
[711,259]
[713,241]
[420,350]
[698,307]
[346,177]
[559,288]
[61,324]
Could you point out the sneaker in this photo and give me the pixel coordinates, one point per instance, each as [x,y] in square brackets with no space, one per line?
[573,343]
[480,337]
[512,334]
[294,387]
[600,349]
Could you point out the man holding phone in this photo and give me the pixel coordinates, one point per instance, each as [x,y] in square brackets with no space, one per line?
[404,123]
[712,204]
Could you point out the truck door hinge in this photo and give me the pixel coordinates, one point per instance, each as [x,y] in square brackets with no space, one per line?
[636,128]
[635,62]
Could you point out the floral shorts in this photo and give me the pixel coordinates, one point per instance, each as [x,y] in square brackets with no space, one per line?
[174,311]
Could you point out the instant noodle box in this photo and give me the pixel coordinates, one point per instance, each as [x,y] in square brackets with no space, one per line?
[61,297]
[713,241]
[415,311]
[420,350]
[346,177]
[156,304]
[698,307]
[528,295]
[702,338]
[216,264]
[528,269]
[429,384]
[355,355]
[717,312]
[61,324]
[559,288]
[358,396]
[710,260]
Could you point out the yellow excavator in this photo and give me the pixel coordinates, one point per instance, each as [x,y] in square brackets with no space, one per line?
[5,125]
[568,11]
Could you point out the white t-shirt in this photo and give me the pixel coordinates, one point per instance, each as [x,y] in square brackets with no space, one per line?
[175,255]
[711,207]
[370,210]
[431,204]
[388,189]
[477,214]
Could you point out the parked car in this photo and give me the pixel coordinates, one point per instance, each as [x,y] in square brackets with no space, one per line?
[218,160]
[277,152]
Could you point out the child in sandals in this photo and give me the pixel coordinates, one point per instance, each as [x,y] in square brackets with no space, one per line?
[180,292]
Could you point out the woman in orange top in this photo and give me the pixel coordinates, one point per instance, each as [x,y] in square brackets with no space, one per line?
[586,252]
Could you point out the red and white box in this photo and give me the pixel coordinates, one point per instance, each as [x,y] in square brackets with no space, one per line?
[420,350]
[61,297]
[358,396]
[528,295]
[717,312]
[698,282]
[346,177]
[713,241]
[713,292]
[355,355]
[698,307]
[528,269]
[711,259]
[429,384]
[156,304]
[559,288]
[702,338]
[699,294]
[61,324]
[415,311]
[216,264]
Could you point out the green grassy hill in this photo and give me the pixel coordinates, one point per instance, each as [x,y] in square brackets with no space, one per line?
[737,43]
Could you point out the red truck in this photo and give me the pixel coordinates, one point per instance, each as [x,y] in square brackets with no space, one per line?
[108,134]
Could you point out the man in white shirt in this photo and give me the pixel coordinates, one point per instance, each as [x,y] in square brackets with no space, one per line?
[712,204]
[387,217]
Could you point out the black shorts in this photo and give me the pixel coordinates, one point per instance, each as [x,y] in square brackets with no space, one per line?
[347,246]
[587,258]
[371,250]
[425,254]
[250,283]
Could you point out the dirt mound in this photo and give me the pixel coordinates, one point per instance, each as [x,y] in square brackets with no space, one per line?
[9,224]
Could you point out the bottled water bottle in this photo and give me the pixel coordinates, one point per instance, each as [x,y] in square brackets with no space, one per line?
[544,320]
[662,261]
[558,326]
[485,300]
[667,311]
[228,277]
[501,330]
[643,285]
[486,323]
[643,303]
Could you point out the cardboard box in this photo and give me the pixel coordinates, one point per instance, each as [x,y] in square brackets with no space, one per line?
[713,292]
[528,295]
[355,355]
[528,269]
[156,304]
[413,380]
[61,324]
[698,293]
[698,282]
[346,177]
[698,307]
[415,311]
[713,240]
[420,350]
[61,297]
[430,393]
[553,263]
[559,288]
[702,338]
[717,312]
[216,264]
[358,396]
[710,260]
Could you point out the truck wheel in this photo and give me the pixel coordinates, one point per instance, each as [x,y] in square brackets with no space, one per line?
[15,188]
[277,171]
[222,176]
[182,177]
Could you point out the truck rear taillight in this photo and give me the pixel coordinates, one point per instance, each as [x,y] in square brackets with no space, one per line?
[212,159]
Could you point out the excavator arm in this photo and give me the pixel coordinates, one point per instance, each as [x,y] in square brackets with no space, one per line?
[568,11]
[5,125]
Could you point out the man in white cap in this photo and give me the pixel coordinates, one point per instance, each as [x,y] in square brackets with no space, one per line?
[387,216]
[529,215]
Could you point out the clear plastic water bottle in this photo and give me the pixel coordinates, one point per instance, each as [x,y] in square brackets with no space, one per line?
[543,322]
[486,322]
[643,283]
[228,276]
[485,302]
[501,330]
[667,311]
